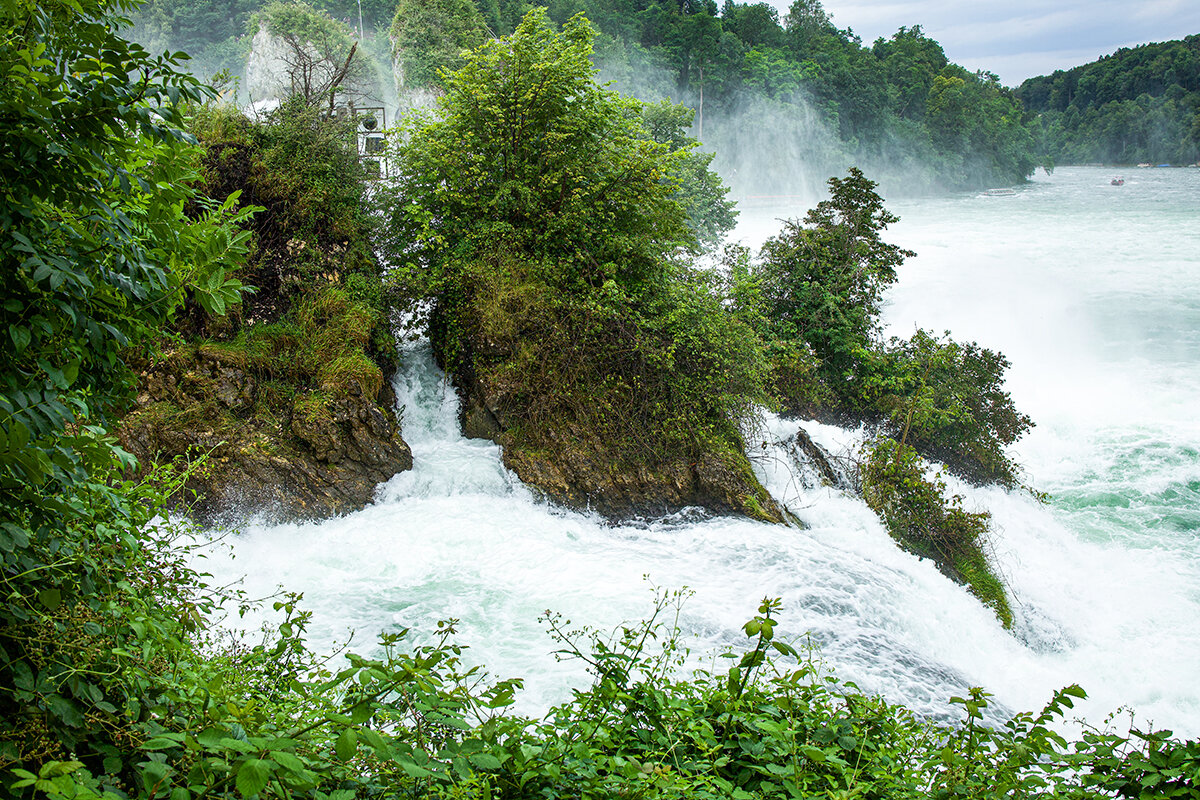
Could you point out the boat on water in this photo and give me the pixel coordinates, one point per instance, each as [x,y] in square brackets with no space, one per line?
[998,192]
[1117,181]
[1144,164]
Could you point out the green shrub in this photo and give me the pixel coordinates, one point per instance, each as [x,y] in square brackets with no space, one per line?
[823,279]
[947,400]
[925,521]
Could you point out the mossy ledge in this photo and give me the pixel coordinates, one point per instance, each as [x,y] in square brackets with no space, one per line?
[287,394]
[559,440]
[271,450]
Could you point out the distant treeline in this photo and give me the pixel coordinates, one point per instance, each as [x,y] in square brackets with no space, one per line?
[896,105]
[1139,104]
[214,32]
[805,87]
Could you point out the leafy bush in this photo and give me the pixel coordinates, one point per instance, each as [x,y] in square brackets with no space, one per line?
[947,400]
[920,516]
[818,294]
[98,255]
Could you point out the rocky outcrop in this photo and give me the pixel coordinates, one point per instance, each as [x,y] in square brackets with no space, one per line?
[263,453]
[572,468]
[814,466]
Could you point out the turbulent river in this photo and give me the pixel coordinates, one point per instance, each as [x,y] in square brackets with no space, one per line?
[1091,290]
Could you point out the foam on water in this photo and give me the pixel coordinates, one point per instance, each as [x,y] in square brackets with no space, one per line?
[1105,577]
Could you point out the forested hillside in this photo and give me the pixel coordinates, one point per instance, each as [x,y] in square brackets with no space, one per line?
[793,85]
[1139,104]
[799,87]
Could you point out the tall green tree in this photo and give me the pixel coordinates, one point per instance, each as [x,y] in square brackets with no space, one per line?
[103,239]
[528,150]
[823,279]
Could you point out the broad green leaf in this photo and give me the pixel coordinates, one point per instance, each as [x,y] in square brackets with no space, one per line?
[346,746]
[252,777]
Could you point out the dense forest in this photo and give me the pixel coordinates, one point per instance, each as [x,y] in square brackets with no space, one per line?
[796,86]
[1138,105]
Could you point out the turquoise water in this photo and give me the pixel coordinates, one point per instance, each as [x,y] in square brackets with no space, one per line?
[1092,291]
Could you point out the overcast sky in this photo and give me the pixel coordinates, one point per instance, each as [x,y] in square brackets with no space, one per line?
[1017,39]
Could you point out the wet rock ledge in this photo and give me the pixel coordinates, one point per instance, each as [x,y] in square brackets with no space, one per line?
[267,451]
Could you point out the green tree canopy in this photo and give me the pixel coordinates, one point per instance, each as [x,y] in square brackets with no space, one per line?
[823,279]
[529,151]
[429,36]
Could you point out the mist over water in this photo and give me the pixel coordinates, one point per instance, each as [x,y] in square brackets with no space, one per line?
[772,152]
[1092,291]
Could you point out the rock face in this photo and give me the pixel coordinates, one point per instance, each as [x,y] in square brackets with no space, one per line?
[265,457]
[814,466]
[579,472]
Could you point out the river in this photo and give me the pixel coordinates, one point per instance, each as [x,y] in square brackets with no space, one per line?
[1091,290]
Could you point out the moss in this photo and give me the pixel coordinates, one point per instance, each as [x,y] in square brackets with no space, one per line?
[353,373]
[982,582]
[313,409]
[928,522]
[232,353]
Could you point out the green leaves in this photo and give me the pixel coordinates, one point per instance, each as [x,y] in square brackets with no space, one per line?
[252,776]
[823,280]
[347,745]
[947,399]
[530,151]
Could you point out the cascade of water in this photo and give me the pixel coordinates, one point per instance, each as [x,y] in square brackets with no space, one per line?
[1105,578]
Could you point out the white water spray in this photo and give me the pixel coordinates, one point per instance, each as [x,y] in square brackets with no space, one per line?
[1106,592]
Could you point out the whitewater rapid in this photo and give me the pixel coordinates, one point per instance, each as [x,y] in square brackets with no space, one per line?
[1106,587]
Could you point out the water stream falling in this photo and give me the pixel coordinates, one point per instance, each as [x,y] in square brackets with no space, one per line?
[1094,296]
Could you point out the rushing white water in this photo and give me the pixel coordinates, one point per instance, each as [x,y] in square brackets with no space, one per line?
[1093,292]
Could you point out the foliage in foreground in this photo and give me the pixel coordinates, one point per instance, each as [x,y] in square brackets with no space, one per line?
[270,720]
[98,255]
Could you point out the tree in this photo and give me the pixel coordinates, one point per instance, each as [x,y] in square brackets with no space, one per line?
[321,59]
[529,151]
[700,190]
[823,279]
[98,253]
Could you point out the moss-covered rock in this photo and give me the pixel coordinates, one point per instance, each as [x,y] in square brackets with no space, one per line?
[581,470]
[270,451]
[926,521]
[287,394]
[580,420]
